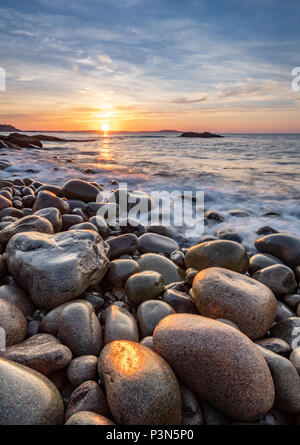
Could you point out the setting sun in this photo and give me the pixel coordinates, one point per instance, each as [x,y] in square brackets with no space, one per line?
[105,127]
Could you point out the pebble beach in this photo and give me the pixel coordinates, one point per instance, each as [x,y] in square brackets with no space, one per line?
[130,324]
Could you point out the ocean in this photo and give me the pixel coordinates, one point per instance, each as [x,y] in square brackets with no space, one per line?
[254,172]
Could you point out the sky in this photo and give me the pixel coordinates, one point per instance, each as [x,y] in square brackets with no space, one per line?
[191,65]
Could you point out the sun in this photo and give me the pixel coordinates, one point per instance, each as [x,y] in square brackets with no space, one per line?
[105,127]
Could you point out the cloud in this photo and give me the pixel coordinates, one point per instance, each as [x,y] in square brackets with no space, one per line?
[186,100]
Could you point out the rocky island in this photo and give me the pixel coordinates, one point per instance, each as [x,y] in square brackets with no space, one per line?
[204,135]
[18,140]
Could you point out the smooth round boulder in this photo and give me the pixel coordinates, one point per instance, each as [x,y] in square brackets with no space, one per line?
[222,293]
[227,233]
[81,369]
[278,277]
[286,381]
[4,202]
[88,418]
[120,325]
[295,359]
[27,397]
[88,397]
[288,330]
[221,253]
[150,313]
[260,261]
[56,268]
[70,220]
[176,296]
[147,341]
[79,329]
[276,345]
[283,246]
[141,387]
[81,190]
[47,199]
[13,321]
[218,363]
[144,286]
[15,295]
[122,244]
[154,243]
[120,270]
[31,223]
[157,263]
[41,352]
[53,215]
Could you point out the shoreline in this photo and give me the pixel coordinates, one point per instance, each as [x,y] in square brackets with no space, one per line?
[92,308]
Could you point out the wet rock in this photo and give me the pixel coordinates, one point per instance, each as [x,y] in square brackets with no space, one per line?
[227,233]
[286,381]
[27,224]
[80,330]
[131,225]
[160,230]
[291,300]
[295,359]
[120,325]
[81,369]
[13,321]
[191,411]
[288,330]
[120,270]
[88,418]
[176,296]
[81,190]
[220,293]
[154,243]
[148,342]
[42,352]
[56,190]
[221,253]
[123,244]
[177,256]
[214,216]
[283,246]
[49,323]
[4,202]
[129,200]
[15,295]
[53,215]
[276,345]
[101,226]
[141,388]
[279,278]
[83,226]
[157,263]
[10,211]
[239,213]
[70,220]
[260,261]
[46,199]
[218,363]
[76,204]
[211,416]
[27,397]
[283,312]
[144,286]
[88,397]
[106,210]
[56,268]
[266,230]
[150,313]
[2,268]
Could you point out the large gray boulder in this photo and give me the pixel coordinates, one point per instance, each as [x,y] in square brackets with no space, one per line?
[27,397]
[56,268]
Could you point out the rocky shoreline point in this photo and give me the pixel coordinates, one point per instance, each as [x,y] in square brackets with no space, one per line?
[19,140]
[123,324]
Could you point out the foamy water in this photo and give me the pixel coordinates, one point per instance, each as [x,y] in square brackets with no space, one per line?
[257,173]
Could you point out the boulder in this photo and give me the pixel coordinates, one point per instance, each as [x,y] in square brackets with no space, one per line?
[162,265]
[278,277]
[120,325]
[53,215]
[81,190]
[88,418]
[15,295]
[150,313]
[56,268]
[218,363]
[154,243]
[41,352]
[13,321]
[283,246]
[81,369]
[27,397]
[222,293]
[47,199]
[221,253]
[141,387]
[144,286]
[31,223]
[79,329]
